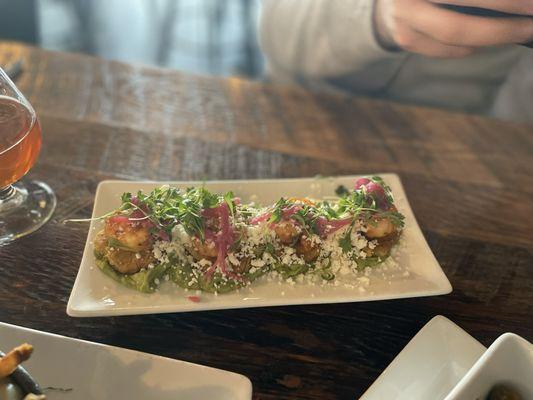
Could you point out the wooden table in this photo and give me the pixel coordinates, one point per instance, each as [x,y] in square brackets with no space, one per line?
[469,181]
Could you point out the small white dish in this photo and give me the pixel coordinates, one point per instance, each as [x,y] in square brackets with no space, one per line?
[94,371]
[95,294]
[431,364]
[509,360]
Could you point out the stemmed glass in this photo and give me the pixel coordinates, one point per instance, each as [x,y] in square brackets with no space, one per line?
[25,206]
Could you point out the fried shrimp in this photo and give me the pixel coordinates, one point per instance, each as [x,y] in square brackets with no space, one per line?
[307,249]
[287,231]
[125,244]
[379,227]
[128,262]
[131,234]
[203,249]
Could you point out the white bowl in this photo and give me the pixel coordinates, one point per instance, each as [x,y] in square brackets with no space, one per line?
[431,364]
[508,360]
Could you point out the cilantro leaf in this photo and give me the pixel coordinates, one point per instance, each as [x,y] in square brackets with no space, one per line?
[228,198]
[345,242]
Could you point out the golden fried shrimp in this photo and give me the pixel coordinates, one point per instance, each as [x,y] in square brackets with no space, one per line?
[384,245]
[131,235]
[206,249]
[128,262]
[307,249]
[379,227]
[121,259]
[287,232]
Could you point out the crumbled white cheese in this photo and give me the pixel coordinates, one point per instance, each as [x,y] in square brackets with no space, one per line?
[259,249]
[258,263]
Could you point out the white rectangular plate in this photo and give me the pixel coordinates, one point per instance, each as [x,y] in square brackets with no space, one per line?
[431,364]
[95,371]
[418,274]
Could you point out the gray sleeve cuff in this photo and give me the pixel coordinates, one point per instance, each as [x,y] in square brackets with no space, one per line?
[353,37]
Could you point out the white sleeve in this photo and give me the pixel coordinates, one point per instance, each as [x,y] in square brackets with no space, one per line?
[320,39]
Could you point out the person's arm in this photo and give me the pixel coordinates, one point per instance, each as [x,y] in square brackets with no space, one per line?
[430,28]
[320,39]
[330,38]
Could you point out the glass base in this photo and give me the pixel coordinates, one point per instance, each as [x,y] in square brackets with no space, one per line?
[24,208]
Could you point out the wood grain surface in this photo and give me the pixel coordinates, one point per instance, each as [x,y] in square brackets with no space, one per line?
[468,179]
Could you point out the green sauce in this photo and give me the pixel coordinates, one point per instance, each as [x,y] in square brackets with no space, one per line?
[362,263]
[143,281]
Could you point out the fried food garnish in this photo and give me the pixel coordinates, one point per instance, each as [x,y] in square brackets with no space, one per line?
[11,360]
[32,396]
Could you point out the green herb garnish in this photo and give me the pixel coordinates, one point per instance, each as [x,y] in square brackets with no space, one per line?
[345,242]
[168,206]
[228,198]
[113,242]
[277,210]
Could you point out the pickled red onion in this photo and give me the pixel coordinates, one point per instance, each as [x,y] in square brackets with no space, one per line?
[290,211]
[260,218]
[326,227]
[361,182]
[119,219]
[223,241]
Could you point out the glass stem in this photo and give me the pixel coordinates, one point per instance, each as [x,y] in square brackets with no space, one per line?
[6,192]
